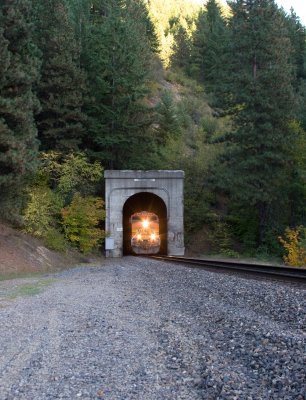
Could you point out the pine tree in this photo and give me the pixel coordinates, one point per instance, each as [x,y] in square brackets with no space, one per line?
[18,72]
[208,55]
[181,49]
[297,182]
[62,85]
[297,35]
[256,156]
[117,61]
[139,11]
[168,120]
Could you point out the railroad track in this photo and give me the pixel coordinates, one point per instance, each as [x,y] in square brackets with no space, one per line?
[287,273]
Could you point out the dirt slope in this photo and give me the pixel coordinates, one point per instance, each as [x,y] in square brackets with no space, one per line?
[22,253]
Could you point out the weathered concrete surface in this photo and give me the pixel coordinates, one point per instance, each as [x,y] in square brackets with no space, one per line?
[168,185]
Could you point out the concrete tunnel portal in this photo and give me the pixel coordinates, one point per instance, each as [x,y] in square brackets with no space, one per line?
[130,193]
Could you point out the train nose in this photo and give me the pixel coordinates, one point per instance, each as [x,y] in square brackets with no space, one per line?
[145,233]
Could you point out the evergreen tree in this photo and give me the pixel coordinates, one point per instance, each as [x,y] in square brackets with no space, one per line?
[181,49]
[208,55]
[62,85]
[197,49]
[163,13]
[117,60]
[297,35]
[139,11]
[168,121]
[256,157]
[18,72]
[297,182]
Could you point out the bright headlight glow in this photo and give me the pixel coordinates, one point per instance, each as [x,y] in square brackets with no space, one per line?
[153,236]
[139,236]
[145,223]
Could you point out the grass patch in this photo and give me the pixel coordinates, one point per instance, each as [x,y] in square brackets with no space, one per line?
[17,275]
[31,289]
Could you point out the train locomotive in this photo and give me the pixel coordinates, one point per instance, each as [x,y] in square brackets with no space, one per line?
[145,233]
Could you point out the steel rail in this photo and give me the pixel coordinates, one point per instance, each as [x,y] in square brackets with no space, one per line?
[291,273]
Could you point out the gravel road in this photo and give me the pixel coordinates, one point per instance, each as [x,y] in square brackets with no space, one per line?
[135,328]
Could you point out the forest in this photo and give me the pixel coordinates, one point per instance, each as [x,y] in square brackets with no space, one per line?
[219,92]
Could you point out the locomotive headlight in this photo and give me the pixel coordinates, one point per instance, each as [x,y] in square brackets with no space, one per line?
[153,236]
[145,223]
[138,236]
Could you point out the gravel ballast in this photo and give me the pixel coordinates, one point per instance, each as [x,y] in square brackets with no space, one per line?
[135,328]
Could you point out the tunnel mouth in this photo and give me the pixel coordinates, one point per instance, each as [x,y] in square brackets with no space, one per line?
[140,207]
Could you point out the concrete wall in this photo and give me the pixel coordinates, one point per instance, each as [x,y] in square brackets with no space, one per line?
[168,185]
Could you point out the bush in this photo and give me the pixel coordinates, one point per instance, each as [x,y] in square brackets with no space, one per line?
[40,212]
[221,238]
[81,221]
[295,245]
[71,173]
[55,240]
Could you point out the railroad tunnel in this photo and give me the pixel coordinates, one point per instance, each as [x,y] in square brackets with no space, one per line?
[157,192]
[140,203]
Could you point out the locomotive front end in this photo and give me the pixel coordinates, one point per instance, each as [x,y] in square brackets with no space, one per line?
[145,233]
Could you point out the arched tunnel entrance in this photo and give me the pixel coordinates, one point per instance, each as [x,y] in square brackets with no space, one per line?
[139,203]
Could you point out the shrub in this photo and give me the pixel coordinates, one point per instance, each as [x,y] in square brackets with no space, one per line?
[81,221]
[71,173]
[221,237]
[55,240]
[40,212]
[295,245]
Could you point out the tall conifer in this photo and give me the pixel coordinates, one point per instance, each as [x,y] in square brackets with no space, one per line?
[181,49]
[297,35]
[260,78]
[208,55]
[62,85]
[18,72]
[117,60]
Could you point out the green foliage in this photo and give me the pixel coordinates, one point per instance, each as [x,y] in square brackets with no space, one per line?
[55,240]
[39,215]
[295,245]
[18,73]
[118,68]
[60,180]
[168,121]
[297,36]
[190,151]
[296,184]
[181,49]
[256,152]
[208,51]
[61,87]
[167,15]
[81,221]
[141,12]
[136,115]
[244,223]
[30,289]
[221,237]
[210,127]
[189,85]
[70,173]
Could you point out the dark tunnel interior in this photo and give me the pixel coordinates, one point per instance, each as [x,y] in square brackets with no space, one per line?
[144,201]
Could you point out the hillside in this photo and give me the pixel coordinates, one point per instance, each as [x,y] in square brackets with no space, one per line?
[21,253]
[153,85]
